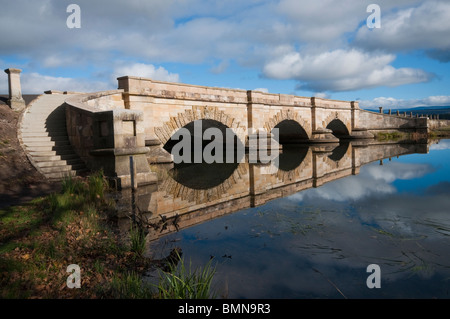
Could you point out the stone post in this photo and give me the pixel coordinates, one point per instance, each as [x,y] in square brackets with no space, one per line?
[390,111]
[15,101]
[398,113]
[381,109]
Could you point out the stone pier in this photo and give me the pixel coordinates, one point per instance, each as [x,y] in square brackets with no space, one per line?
[15,101]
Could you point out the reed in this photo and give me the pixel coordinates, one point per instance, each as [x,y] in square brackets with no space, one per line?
[184,282]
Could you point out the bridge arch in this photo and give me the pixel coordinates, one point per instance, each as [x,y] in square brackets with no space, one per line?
[200,140]
[165,132]
[292,127]
[198,192]
[291,132]
[339,128]
[339,152]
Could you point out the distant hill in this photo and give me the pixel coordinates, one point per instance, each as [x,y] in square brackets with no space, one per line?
[442,111]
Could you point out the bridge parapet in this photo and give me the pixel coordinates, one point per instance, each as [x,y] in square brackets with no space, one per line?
[263,98]
[380,122]
[147,87]
[332,104]
[105,137]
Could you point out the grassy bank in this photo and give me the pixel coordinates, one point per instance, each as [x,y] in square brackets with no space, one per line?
[39,240]
[393,136]
[440,132]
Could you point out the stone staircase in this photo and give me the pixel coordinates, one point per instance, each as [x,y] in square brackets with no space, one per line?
[43,135]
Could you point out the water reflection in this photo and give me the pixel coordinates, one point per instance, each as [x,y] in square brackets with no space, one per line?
[322,216]
[193,193]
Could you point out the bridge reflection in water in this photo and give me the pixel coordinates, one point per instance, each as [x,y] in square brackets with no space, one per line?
[189,194]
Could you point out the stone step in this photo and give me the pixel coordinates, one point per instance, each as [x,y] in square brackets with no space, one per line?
[41,118]
[47,158]
[48,143]
[60,150]
[46,111]
[40,125]
[74,163]
[42,153]
[60,175]
[44,129]
[27,134]
[45,138]
[60,169]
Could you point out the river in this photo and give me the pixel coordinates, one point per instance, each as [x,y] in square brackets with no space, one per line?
[311,227]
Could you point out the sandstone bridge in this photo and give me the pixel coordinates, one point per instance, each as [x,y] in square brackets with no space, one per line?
[63,132]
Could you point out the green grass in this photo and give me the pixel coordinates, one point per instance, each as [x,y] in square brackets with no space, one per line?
[137,240]
[184,282]
[129,285]
[37,239]
[40,239]
[440,132]
[394,136]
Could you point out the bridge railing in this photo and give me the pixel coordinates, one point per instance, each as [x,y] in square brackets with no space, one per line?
[105,137]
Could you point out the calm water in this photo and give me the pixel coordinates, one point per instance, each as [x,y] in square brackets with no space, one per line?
[371,205]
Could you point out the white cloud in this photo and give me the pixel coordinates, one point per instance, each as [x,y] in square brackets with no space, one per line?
[288,39]
[441,145]
[35,83]
[221,67]
[426,26]
[321,21]
[342,70]
[263,90]
[321,95]
[373,180]
[390,102]
[145,71]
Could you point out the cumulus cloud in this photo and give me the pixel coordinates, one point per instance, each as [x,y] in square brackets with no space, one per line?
[321,21]
[35,83]
[263,90]
[391,102]
[441,145]
[342,70]
[145,71]
[373,180]
[425,26]
[221,67]
[323,45]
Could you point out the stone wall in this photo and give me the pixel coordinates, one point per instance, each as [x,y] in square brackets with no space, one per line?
[377,122]
[170,106]
[435,124]
[109,138]
[167,107]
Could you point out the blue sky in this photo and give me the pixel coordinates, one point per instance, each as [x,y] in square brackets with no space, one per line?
[308,48]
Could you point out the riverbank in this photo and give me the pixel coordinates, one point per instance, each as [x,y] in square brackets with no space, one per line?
[40,239]
[47,226]
[441,132]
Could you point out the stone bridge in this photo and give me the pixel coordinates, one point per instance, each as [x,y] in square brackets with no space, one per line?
[167,107]
[121,131]
[139,119]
